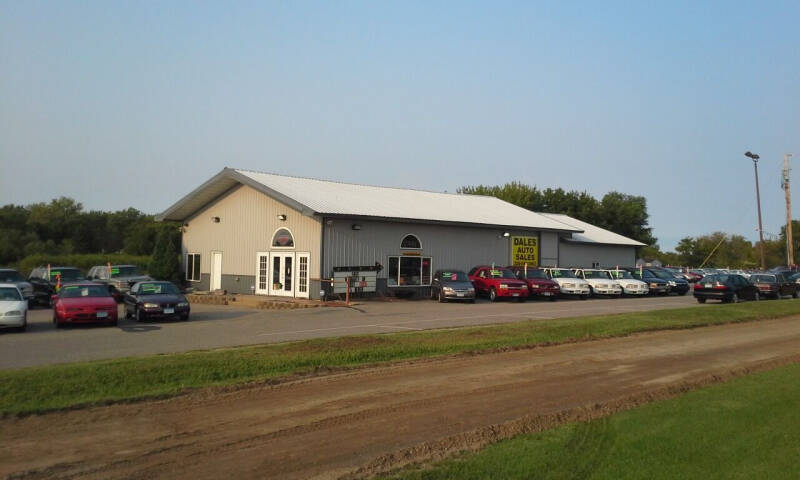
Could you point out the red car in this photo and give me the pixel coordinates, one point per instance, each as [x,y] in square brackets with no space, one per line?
[538,283]
[84,303]
[496,282]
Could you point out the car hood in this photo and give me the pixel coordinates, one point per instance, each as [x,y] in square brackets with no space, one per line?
[167,298]
[576,281]
[88,302]
[458,285]
[542,282]
[10,306]
[627,281]
[133,279]
[599,281]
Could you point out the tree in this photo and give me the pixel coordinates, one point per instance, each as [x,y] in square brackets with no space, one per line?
[166,263]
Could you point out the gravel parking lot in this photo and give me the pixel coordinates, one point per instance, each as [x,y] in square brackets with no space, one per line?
[227,326]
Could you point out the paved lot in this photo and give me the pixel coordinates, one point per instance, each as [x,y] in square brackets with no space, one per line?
[219,326]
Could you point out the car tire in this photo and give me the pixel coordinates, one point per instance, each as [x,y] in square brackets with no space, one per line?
[140,317]
[184,317]
[757,297]
[441,298]
[701,300]
[492,295]
[584,297]
[735,298]
[591,292]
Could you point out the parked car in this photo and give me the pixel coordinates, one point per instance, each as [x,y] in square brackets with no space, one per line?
[45,280]
[497,282]
[8,275]
[120,278]
[568,283]
[774,285]
[84,302]
[795,277]
[539,285]
[726,288]
[147,300]
[600,282]
[452,285]
[655,285]
[630,285]
[677,285]
[13,307]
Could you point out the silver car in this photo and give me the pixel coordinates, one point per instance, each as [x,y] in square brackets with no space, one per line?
[13,307]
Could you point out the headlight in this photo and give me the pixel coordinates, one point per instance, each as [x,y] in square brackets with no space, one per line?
[13,313]
[183,304]
[671,283]
[654,285]
[534,286]
[524,287]
[471,289]
[151,305]
[447,289]
[503,286]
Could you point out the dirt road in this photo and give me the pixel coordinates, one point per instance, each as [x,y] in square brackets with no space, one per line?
[327,427]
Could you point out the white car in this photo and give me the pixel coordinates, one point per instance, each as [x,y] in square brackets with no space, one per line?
[630,285]
[568,283]
[600,281]
[13,307]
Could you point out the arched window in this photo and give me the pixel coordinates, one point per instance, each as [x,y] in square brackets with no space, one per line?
[283,238]
[411,242]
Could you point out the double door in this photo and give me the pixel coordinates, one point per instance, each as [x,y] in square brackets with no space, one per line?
[282,274]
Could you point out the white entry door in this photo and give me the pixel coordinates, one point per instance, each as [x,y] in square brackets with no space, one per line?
[216,270]
[262,273]
[281,274]
[301,281]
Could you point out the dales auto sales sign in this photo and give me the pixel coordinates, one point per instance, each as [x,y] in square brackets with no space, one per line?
[525,250]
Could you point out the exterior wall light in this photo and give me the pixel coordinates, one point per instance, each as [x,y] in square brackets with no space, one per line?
[215,219]
[356,226]
[282,217]
[504,235]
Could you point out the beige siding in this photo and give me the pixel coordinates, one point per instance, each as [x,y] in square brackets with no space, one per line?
[248,219]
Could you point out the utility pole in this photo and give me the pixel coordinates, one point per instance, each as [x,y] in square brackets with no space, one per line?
[755,158]
[785,186]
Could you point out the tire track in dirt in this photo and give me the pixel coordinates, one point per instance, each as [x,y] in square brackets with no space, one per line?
[358,423]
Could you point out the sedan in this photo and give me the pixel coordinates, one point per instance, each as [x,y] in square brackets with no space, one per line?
[775,286]
[84,303]
[539,285]
[13,308]
[148,300]
[452,285]
[726,288]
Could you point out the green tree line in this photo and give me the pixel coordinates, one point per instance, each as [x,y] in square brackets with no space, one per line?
[61,228]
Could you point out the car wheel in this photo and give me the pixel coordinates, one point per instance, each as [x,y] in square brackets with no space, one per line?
[701,300]
[185,317]
[553,298]
[735,298]
[757,297]
[584,297]
[441,297]
[794,294]
[493,295]
[591,292]
[140,317]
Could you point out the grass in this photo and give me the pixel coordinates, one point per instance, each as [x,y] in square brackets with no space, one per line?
[746,428]
[40,389]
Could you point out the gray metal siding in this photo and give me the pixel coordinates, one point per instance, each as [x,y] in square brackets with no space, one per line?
[449,246]
[574,254]
[548,249]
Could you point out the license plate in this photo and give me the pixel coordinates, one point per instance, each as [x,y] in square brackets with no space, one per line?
[102,314]
[546,294]
[169,310]
[515,294]
[459,294]
[707,285]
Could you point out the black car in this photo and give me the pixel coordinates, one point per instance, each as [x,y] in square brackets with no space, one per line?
[452,285]
[726,287]
[676,284]
[774,285]
[45,280]
[148,300]
[657,285]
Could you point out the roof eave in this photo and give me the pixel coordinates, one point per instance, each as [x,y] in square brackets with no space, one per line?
[443,222]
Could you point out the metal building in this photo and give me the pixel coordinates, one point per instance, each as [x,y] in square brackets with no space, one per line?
[253,232]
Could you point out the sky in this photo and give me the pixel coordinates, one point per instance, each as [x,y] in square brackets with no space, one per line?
[134,104]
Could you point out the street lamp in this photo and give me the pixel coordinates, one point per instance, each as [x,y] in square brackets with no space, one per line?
[755,158]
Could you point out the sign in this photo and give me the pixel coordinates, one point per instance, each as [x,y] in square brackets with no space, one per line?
[525,251]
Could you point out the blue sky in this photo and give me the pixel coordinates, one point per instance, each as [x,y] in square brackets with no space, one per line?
[123,104]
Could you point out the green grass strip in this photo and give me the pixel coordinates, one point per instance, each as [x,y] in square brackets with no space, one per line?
[746,428]
[39,389]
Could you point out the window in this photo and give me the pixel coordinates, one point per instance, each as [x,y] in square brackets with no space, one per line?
[409,271]
[193,267]
[283,239]
[411,242]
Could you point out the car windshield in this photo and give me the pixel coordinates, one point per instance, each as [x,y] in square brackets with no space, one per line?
[8,294]
[7,276]
[454,276]
[763,278]
[158,289]
[65,273]
[595,274]
[621,274]
[501,273]
[561,273]
[663,274]
[124,271]
[534,273]
[77,291]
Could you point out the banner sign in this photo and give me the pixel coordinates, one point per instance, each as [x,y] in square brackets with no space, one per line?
[525,251]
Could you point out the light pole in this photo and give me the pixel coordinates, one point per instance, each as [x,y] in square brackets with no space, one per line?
[755,158]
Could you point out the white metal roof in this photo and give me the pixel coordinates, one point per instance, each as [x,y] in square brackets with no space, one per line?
[592,233]
[323,197]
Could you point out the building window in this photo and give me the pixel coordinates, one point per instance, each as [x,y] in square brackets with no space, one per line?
[410,242]
[409,271]
[283,238]
[193,267]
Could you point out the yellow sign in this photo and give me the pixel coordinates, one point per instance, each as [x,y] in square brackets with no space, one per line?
[525,250]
